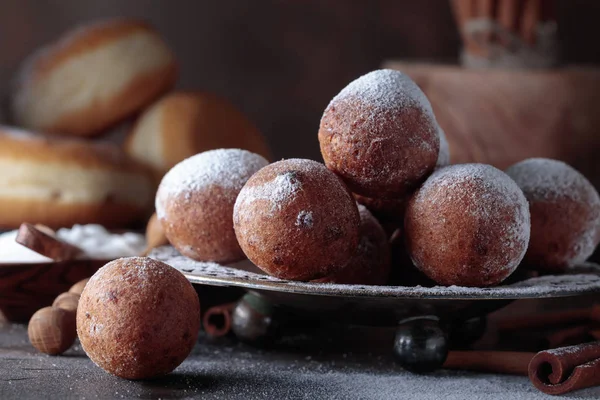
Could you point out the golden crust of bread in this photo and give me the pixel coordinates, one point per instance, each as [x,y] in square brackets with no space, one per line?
[22,145]
[62,182]
[186,123]
[109,83]
[86,38]
[56,215]
[137,95]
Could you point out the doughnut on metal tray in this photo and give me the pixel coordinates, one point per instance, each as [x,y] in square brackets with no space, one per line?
[580,280]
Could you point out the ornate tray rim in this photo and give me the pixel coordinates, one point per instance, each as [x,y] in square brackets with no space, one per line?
[582,283]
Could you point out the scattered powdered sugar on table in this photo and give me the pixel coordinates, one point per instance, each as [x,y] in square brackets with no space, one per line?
[546,179]
[299,368]
[226,168]
[584,279]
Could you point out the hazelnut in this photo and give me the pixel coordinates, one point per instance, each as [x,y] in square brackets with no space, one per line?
[67,301]
[78,287]
[52,330]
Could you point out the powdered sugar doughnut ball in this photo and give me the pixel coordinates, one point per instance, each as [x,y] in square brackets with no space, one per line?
[296,220]
[371,262]
[379,135]
[565,213]
[194,203]
[138,318]
[467,225]
[444,154]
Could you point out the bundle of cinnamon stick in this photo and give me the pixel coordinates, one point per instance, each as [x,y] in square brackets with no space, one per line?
[563,367]
[507,33]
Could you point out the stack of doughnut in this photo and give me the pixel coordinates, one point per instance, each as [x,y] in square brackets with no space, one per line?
[296,219]
[91,82]
[380,135]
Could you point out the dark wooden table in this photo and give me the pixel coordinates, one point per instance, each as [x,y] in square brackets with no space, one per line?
[330,364]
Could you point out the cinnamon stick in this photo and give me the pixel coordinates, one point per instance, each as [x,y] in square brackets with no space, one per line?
[501,362]
[217,320]
[42,241]
[563,370]
[556,371]
[549,11]
[508,12]
[549,319]
[530,19]
[464,11]
[595,333]
[569,336]
[485,9]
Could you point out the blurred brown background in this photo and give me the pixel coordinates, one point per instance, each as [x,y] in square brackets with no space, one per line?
[280,61]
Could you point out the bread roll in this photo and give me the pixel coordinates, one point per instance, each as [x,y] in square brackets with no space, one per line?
[183,124]
[92,77]
[65,182]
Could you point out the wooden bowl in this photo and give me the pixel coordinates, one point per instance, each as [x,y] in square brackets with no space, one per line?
[501,116]
[27,287]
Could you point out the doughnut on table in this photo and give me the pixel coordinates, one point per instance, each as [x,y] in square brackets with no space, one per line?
[429,320]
